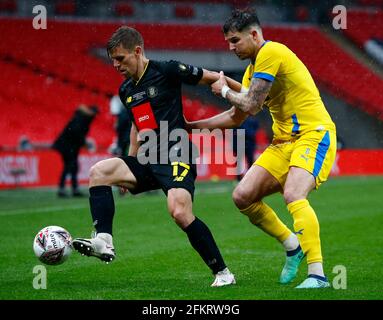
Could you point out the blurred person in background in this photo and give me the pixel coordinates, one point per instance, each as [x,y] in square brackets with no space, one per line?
[68,144]
[122,127]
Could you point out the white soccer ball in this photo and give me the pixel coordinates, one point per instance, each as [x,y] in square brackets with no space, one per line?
[52,245]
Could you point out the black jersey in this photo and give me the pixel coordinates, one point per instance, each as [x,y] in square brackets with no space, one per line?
[154,102]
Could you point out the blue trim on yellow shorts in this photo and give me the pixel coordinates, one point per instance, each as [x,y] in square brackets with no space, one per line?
[321,153]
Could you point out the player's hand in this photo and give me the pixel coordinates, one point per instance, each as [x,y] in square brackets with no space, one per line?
[123,190]
[216,87]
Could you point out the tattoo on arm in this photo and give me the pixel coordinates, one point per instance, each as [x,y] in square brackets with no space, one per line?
[252,101]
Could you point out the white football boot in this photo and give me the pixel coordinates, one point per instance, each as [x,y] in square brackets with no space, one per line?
[314,282]
[223,278]
[99,246]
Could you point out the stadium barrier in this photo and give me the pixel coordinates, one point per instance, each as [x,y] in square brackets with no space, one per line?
[43,168]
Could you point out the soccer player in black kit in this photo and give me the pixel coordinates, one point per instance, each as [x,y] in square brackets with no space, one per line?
[152,95]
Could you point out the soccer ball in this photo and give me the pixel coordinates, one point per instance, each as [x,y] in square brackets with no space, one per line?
[52,245]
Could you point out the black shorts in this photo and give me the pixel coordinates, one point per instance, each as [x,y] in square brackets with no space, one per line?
[162,176]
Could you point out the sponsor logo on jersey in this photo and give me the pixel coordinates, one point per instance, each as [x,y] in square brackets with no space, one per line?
[138,95]
[144,117]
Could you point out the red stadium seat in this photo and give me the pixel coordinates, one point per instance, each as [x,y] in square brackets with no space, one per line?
[302,13]
[377,3]
[39,85]
[9,6]
[67,7]
[183,11]
[123,9]
[372,22]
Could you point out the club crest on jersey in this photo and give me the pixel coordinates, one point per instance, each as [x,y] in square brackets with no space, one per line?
[152,92]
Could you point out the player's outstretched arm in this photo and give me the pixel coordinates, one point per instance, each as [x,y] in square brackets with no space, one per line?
[250,102]
[228,119]
[231,118]
[209,77]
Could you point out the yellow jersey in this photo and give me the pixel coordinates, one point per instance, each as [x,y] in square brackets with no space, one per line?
[293,101]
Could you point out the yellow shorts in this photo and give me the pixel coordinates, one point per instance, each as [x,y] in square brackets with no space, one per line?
[314,151]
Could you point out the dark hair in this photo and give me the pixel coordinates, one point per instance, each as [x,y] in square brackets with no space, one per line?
[125,36]
[240,20]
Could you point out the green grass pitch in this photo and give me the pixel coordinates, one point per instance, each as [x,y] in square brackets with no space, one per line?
[155,260]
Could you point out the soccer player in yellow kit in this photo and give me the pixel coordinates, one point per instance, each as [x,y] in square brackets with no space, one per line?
[302,151]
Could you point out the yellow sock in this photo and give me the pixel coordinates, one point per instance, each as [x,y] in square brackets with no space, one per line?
[306,228]
[261,215]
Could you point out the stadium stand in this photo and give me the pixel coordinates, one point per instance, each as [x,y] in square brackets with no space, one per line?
[47,74]
[370,19]
[44,86]
[370,38]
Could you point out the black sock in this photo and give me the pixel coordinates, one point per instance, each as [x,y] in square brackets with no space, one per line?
[203,242]
[102,208]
